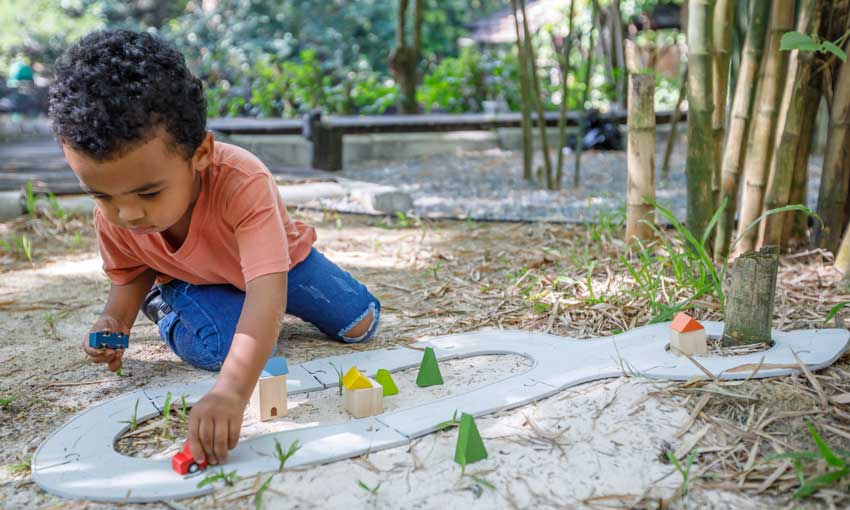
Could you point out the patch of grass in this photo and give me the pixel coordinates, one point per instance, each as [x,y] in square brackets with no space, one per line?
[371,490]
[50,325]
[229,479]
[184,410]
[56,208]
[21,468]
[685,470]
[402,220]
[29,200]
[834,311]
[258,496]
[5,401]
[19,246]
[607,224]
[837,465]
[282,456]
[454,422]
[166,412]
[134,419]
[339,378]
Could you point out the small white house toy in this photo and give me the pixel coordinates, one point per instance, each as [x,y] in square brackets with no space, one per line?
[687,336]
[269,398]
[363,396]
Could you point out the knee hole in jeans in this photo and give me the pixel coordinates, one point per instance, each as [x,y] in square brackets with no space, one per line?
[361,328]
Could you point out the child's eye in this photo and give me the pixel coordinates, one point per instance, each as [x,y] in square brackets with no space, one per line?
[150,195]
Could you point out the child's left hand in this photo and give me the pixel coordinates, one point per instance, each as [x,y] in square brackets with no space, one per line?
[214,425]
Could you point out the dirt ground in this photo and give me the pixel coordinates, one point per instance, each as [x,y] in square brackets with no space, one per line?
[599,445]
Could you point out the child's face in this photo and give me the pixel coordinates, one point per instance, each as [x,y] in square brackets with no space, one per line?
[148,189]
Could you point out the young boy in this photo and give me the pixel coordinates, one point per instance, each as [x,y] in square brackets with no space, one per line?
[201,219]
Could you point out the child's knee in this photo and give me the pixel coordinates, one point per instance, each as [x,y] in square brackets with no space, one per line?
[364,327]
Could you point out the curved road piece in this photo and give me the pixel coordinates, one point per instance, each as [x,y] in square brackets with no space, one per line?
[79,459]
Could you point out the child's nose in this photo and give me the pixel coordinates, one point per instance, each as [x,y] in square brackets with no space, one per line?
[131,214]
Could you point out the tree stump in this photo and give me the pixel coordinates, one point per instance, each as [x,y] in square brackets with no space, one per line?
[749,298]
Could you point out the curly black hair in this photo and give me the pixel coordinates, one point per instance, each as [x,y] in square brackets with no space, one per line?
[114,88]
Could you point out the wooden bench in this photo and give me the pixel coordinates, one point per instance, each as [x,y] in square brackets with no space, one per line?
[326,132]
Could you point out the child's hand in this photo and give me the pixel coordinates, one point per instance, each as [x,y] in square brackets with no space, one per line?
[112,357]
[214,425]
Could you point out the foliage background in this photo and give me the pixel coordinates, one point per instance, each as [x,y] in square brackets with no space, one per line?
[285,57]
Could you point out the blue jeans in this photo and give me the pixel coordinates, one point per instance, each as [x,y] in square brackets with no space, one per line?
[201,325]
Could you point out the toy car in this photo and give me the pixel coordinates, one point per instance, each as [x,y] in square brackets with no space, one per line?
[183,463]
[102,339]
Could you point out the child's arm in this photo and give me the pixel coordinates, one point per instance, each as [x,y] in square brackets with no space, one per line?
[119,314]
[215,421]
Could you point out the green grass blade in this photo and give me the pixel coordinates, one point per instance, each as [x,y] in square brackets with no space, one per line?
[834,310]
[787,208]
[824,450]
[714,219]
[819,482]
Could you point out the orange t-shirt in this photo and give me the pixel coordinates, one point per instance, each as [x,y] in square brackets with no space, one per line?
[240,230]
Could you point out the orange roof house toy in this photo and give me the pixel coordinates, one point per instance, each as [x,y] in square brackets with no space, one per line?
[687,336]
[268,401]
[363,396]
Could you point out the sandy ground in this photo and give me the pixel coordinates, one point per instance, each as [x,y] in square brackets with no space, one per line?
[594,446]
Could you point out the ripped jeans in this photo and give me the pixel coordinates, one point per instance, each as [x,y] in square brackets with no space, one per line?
[201,324]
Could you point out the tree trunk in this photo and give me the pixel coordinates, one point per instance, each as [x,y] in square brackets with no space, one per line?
[674,125]
[641,157]
[762,133]
[832,197]
[525,101]
[700,165]
[607,52]
[619,51]
[750,297]
[404,59]
[584,99]
[739,124]
[562,120]
[795,101]
[538,97]
[722,34]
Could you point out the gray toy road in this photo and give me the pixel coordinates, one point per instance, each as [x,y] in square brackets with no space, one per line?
[79,460]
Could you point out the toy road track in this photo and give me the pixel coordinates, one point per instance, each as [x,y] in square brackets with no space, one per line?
[79,459]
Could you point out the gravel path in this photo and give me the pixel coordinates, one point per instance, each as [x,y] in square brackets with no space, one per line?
[489,186]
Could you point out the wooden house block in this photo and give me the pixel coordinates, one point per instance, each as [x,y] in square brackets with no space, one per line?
[353,380]
[364,402]
[687,336]
[268,401]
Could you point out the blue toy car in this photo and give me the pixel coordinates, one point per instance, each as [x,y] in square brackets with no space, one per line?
[101,339]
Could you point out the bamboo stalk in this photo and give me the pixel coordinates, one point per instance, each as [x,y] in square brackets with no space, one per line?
[700,164]
[617,44]
[842,258]
[641,157]
[584,99]
[674,124]
[762,132]
[739,123]
[538,97]
[722,34]
[525,99]
[562,120]
[832,196]
[796,226]
[791,119]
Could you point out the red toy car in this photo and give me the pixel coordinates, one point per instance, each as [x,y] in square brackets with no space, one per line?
[183,463]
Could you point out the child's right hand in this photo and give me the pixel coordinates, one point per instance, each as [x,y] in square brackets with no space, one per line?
[112,357]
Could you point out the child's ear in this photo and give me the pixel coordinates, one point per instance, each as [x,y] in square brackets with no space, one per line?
[203,154]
